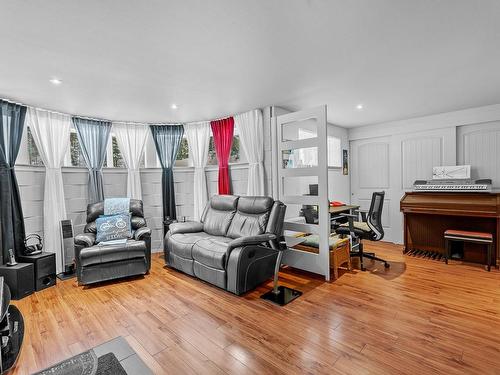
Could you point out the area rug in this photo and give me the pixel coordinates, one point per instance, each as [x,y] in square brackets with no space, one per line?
[81,364]
[87,363]
[108,364]
[114,357]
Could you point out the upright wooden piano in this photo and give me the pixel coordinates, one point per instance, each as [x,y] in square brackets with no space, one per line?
[428,214]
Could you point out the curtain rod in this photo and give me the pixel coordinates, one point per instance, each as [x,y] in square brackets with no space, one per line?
[119,122]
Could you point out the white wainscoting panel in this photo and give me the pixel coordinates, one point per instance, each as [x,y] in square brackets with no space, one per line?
[479,146]
[419,155]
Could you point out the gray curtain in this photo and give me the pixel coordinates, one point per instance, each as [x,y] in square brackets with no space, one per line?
[93,136]
[11,213]
[167,139]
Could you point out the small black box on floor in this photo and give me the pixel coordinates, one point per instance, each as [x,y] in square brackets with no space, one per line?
[45,268]
[20,279]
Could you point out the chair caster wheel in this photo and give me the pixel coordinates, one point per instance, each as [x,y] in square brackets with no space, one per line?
[387,265]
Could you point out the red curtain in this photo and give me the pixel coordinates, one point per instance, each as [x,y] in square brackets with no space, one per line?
[222,131]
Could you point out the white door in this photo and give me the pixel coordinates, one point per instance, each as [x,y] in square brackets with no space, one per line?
[370,172]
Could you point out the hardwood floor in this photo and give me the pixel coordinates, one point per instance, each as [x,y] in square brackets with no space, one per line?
[419,317]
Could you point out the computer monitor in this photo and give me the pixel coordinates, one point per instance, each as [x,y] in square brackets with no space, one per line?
[313,189]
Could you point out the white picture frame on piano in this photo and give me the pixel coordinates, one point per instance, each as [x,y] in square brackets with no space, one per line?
[452,172]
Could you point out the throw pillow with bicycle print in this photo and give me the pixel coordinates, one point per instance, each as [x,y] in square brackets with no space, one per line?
[114,227]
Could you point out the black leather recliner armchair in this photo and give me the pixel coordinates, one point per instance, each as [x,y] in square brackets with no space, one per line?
[232,246]
[96,263]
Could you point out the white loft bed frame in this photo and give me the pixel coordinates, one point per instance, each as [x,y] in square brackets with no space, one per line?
[316,263]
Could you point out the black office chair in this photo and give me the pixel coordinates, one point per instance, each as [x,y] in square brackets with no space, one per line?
[310,214]
[370,228]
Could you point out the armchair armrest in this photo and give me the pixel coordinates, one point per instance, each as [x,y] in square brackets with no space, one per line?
[85,239]
[187,227]
[142,233]
[251,240]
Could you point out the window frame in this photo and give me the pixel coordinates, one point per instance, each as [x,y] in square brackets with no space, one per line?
[331,153]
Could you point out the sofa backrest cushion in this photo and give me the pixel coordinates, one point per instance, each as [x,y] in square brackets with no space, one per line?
[95,210]
[251,217]
[218,214]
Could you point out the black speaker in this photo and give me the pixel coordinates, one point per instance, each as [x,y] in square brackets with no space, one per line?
[20,279]
[45,269]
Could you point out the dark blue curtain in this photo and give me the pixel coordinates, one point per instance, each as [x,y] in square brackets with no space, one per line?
[93,136]
[11,213]
[167,140]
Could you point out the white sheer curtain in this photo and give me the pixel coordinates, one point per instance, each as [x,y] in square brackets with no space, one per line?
[50,132]
[198,137]
[251,129]
[131,139]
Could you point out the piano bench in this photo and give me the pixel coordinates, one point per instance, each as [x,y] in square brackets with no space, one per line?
[451,235]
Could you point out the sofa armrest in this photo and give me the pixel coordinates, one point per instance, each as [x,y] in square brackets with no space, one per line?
[142,233]
[251,240]
[248,267]
[85,239]
[187,227]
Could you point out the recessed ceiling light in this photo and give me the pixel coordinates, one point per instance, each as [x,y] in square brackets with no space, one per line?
[174,106]
[359,107]
[55,81]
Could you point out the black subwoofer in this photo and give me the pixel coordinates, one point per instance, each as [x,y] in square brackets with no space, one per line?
[45,269]
[19,278]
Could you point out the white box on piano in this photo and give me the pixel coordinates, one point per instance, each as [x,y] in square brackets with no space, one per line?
[451,172]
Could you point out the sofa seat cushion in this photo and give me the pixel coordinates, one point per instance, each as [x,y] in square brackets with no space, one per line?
[181,244]
[211,251]
[211,275]
[98,254]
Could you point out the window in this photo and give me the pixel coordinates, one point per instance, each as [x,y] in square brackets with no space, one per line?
[150,157]
[182,159]
[307,156]
[76,156]
[33,154]
[118,161]
[236,155]
[334,152]
[114,157]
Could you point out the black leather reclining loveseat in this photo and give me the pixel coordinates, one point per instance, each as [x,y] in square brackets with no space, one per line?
[232,246]
[95,263]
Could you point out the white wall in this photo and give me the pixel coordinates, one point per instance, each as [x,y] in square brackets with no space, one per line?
[391,156]
[339,185]
[31,186]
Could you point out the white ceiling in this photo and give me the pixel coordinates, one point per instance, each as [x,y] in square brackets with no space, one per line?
[130,60]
